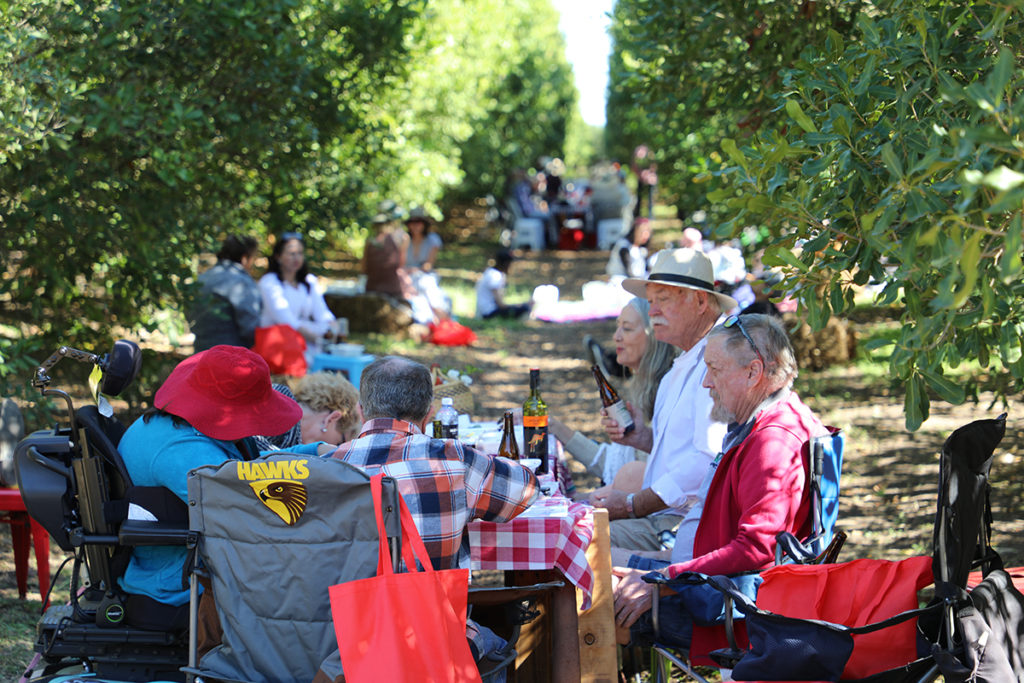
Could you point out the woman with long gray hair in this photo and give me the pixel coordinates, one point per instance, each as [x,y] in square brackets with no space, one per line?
[647,360]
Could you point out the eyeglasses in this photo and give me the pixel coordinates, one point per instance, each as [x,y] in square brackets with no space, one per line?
[734,320]
[285,236]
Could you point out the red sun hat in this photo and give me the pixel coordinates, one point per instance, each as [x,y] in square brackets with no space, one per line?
[225,393]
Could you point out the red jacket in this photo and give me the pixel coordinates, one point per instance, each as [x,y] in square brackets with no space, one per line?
[759,489]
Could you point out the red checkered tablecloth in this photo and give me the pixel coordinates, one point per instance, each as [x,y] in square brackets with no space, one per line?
[539,542]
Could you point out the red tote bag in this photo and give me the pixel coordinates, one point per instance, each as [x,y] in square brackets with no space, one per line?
[408,627]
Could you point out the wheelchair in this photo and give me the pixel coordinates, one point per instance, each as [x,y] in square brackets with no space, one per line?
[75,485]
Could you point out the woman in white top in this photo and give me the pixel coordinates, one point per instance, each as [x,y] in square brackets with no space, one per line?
[424,244]
[648,360]
[291,296]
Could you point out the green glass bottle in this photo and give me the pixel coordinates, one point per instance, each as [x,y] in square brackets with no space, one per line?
[535,424]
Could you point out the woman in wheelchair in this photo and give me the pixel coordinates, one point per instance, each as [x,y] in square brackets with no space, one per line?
[204,413]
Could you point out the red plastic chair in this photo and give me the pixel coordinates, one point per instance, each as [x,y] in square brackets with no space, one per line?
[25,532]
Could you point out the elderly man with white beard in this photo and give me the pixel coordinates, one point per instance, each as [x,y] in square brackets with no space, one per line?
[756,487]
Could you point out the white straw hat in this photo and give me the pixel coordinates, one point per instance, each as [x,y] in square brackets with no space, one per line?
[682,267]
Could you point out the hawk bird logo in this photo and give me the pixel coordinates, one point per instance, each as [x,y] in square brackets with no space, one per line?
[286,499]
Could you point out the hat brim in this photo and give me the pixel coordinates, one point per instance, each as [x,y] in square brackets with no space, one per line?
[274,414]
[638,287]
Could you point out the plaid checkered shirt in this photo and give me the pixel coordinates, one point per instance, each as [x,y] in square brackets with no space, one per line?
[445,483]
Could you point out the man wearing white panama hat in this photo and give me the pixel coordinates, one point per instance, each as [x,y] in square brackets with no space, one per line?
[682,439]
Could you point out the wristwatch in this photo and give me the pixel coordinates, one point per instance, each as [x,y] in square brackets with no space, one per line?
[629,506]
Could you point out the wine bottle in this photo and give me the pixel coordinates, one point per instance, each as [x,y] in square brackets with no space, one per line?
[535,424]
[614,406]
[509,446]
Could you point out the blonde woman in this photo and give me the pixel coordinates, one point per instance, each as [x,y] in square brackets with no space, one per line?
[330,408]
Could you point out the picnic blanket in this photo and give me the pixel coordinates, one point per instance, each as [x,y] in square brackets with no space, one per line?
[601,300]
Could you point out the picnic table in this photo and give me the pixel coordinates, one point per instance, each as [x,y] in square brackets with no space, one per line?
[556,539]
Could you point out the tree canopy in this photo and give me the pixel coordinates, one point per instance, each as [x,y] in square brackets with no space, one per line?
[874,142]
[135,135]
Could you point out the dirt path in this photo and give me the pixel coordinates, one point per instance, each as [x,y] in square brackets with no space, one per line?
[890,475]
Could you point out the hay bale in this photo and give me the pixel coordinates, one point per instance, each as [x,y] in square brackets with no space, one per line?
[372,312]
[835,344]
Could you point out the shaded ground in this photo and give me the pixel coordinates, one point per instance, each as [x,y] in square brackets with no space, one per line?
[889,478]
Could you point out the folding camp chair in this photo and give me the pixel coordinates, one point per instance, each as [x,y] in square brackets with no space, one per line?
[825,463]
[969,636]
[272,535]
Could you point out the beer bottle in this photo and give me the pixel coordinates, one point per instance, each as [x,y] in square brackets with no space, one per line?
[438,430]
[614,405]
[509,446]
[535,424]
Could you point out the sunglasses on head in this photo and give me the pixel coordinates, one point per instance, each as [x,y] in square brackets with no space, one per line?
[734,321]
[285,236]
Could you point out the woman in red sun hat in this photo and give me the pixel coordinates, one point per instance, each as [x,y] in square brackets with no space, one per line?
[204,414]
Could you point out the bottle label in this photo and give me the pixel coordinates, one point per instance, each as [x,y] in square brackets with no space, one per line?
[535,421]
[536,445]
[620,413]
[450,431]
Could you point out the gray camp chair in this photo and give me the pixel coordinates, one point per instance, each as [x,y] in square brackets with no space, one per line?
[272,535]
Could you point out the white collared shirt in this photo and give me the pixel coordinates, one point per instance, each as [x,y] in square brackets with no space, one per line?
[686,439]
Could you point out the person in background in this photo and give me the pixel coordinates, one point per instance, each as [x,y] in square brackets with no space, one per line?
[522,194]
[445,483]
[756,488]
[648,360]
[628,256]
[646,170]
[424,245]
[205,413]
[384,258]
[291,296]
[228,305]
[692,238]
[683,437]
[490,290]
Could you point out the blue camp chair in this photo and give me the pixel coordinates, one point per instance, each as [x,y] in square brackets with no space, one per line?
[825,465]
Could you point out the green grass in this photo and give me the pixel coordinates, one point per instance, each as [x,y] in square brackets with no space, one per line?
[17,633]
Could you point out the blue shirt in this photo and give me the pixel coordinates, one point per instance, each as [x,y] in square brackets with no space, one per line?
[159,453]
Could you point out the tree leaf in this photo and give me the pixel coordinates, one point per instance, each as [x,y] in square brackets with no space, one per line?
[947,389]
[915,403]
[1000,75]
[891,161]
[797,113]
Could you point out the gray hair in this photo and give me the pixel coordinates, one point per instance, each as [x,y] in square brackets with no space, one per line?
[772,341]
[656,361]
[397,388]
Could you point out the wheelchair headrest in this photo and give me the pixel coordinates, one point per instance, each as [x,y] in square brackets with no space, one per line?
[120,367]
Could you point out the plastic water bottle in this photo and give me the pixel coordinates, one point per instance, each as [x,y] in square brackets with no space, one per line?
[449,418]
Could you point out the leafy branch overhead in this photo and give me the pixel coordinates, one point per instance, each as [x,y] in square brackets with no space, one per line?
[894,158]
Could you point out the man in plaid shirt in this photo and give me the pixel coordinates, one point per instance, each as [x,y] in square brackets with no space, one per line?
[444,483]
